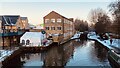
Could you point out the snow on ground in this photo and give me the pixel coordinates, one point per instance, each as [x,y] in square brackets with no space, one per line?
[115,43]
[77,35]
[4,54]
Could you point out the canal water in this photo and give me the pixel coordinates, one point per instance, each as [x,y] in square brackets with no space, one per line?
[73,53]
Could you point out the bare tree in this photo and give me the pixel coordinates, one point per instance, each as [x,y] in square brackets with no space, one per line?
[102,25]
[81,25]
[95,14]
[101,20]
[115,10]
[77,24]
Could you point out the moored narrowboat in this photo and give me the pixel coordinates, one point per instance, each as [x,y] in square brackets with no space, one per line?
[114,58]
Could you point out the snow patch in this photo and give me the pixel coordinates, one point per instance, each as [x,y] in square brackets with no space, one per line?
[115,43]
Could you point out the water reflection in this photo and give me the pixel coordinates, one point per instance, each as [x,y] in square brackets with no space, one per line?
[59,56]
[15,63]
[73,53]
[33,59]
[101,54]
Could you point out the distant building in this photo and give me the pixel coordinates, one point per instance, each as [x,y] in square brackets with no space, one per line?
[25,23]
[56,24]
[9,28]
[11,22]
[14,22]
[32,26]
[38,27]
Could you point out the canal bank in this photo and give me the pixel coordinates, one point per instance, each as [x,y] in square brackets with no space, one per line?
[100,43]
[73,53]
[8,59]
[70,53]
[20,50]
[113,50]
[27,49]
[37,49]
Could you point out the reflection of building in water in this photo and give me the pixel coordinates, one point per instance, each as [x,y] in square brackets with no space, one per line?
[28,56]
[25,57]
[59,55]
[13,63]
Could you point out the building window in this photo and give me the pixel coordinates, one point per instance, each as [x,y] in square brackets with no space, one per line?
[47,28]
[59,28]
[52,28]
[59,20]
[23,20]
[53,20]
[46,20]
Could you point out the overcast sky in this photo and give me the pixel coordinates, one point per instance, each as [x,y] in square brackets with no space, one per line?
[35,10]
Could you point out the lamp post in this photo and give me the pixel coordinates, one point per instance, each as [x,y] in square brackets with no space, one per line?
[43,32]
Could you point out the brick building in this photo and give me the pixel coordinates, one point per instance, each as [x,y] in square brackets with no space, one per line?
[56,24]
[10,29]
[25,22]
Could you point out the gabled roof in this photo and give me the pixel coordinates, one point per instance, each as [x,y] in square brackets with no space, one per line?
[58,14]
[23,18]
[9,19]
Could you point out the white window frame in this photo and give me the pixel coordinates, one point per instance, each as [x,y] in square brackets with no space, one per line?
[47,20]
[53,20]
[59,20]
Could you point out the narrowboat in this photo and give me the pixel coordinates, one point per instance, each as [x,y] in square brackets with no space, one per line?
[114,58]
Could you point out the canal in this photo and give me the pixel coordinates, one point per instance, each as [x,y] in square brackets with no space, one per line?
[73,53]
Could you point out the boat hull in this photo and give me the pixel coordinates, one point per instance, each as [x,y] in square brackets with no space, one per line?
[114,59]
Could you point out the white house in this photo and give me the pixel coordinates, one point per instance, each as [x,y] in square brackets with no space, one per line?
[35,38]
